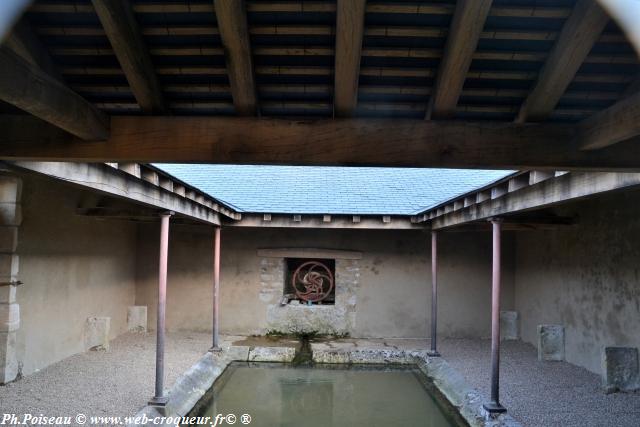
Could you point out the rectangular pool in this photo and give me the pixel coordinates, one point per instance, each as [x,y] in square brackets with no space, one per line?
[277,394]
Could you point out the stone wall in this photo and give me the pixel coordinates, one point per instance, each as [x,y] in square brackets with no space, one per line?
[10,220]
[386,293]
[586,278]
[294,317]
[72,268]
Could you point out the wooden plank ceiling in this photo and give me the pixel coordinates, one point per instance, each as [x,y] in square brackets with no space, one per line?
[551,61]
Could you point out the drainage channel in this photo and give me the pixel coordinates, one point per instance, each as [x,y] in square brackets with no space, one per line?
[304,354]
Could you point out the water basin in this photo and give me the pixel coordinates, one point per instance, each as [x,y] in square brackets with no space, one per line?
[277,394]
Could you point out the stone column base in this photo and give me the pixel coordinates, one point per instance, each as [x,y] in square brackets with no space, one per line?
[551,342]
[620,369]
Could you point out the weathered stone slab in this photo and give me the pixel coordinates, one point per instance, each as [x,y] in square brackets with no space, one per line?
[272,354]
[509,325]
[551,342]
[620,369]
[97,333]
[301,319]
[331,356]
[137,318]
[9,367]
[9,317]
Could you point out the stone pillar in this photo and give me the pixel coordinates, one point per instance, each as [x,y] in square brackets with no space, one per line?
[620,369]
[10,219]
[509,325]
[551,342]
[137,318]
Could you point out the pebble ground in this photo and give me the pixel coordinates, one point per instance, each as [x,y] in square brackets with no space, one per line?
[120,381]
[542,394]
[117,382]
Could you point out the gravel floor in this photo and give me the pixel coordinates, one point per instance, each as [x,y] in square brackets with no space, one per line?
[542,393]
[120,381]
[117,382]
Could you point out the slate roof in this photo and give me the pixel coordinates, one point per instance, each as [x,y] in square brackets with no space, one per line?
[330,190]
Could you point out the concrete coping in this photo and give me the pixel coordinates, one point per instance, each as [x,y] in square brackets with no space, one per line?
[193,384]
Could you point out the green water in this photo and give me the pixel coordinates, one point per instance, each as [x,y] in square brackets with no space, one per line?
[324,396]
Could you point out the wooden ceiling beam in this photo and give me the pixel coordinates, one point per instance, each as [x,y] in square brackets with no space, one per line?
[232,24]
[349,33]
[121,28]
[31,89]
[617,123]
[579,33]
[354,142]
[466,27]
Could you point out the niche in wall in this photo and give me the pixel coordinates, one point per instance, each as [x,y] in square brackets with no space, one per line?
[310,280]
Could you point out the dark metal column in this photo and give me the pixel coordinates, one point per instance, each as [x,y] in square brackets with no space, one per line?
[494,405]
[216,289]
[160,399]
[434,294]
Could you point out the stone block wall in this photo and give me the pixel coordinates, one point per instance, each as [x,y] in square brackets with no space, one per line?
[297,318]
[10,219]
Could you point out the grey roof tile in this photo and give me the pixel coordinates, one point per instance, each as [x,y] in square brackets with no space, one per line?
[330,190]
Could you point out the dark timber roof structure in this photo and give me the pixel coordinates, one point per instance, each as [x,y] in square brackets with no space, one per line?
[293,49]
[505,83]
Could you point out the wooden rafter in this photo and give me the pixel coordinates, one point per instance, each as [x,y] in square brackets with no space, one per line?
[121,28]
[579,33]
[29,88]
[232,24]
[466,28]
[349,32]
[617,123]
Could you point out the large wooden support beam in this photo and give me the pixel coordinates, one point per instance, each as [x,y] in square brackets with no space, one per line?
[107,180]
[121,28]
[232,24]
[356,142]
[563,189]
[31,89]
[579,33]
[617,123]
[466,27]
[349,33]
